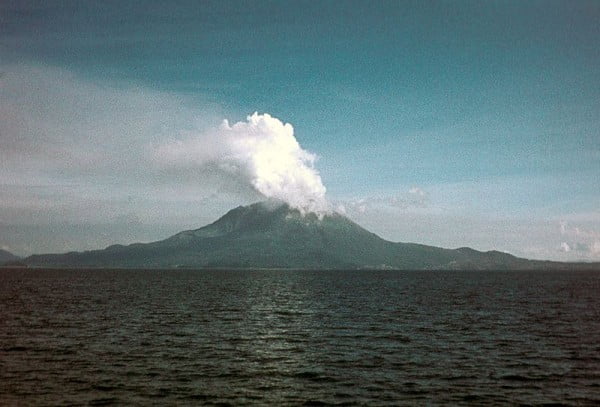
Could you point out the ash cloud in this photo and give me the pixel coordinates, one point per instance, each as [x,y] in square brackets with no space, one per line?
[261,151]
[73,147]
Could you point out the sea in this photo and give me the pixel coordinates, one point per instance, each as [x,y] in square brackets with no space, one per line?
[277,337]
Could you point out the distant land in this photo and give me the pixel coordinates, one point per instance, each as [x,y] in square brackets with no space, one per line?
[274,235]
[6,256]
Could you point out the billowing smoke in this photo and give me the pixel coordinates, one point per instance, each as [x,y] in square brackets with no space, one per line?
[262,152]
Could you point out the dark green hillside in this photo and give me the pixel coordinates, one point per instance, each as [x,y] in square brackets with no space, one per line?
[273,235]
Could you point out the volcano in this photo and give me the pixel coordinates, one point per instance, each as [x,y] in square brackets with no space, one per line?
[6,256]
[274,235]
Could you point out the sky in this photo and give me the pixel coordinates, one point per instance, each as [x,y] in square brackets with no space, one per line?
[450,123]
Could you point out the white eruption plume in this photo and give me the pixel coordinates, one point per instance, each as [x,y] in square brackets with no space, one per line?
[263,152]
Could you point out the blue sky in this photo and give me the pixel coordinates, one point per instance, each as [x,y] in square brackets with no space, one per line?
[490,110]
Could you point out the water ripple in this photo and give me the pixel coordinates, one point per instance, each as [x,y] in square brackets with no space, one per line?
[302,338]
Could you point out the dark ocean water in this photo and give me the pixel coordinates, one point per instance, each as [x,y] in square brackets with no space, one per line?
[291,337]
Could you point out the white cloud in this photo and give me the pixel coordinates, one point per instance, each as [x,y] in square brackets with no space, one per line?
[414,198]
[261,151]
[563,227]
[581,240]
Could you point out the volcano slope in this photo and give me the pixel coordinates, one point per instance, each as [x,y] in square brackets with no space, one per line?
[274,235]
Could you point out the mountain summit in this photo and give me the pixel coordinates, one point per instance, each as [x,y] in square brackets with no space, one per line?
[274,235]
[6,256]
